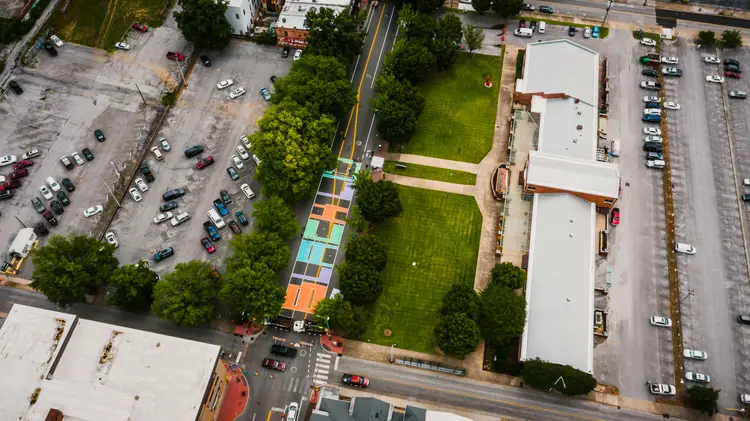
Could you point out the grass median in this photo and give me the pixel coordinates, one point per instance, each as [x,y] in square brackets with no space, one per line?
[431,173]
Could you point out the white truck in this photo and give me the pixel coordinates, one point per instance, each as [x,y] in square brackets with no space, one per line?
[661,389]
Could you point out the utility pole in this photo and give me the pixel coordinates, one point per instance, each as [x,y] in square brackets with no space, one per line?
[113,195]
[690,292]
[609,6]
[21,222]
[141,94]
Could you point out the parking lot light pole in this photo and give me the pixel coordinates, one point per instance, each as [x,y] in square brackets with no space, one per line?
[690,292]
[117,170]
[113,195]
[609,6]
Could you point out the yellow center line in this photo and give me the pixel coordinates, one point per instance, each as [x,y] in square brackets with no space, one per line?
[269,416]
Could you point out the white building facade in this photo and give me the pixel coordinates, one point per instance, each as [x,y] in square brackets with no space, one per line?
[241,15]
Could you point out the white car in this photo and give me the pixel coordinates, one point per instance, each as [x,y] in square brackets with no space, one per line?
[56,40]
[158,219]
[237,93]
[31,153]
[7,160]
[652,131]
[652,138]
[237,162]
[660,321]
[587,32]
[694,354]
[164,144]
[297,54]
[3,179]
[52,183]
[746,181]
[66,161]
[745,398]
[697,377]
[45,192]
[246,142]
[247,190]
[671,105]
[291,413]
[715,79]
[670,60]
[648,42]
[652,98]
[111,239]
[711,59]
[685,248]
[243,152]
[135,194]
[93,210]
[122,46]
[224,84]
[141,184]
[652,111]
[77,158]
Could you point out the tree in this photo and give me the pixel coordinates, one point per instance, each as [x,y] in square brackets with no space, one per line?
[377,201]
[704,399]
[706,38]
[398,105]
[367,250]
[507,8]
[202,22]
[253,290]
[188,295]
[334,34]
[360,284]
[461,298]
[356,220]
[457,334]
[273,215]
[70,267]
[731,39]
[409,61]
[319,83]
[481,6]
[449,27]
[424,6]
[294,148]
[474,37]
[502,314]
[341,315]
[258,248]
[508,275]
[134,287]
[418,27]
[545,375]
[445,52]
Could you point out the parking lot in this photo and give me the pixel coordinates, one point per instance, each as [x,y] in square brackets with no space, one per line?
[204,115]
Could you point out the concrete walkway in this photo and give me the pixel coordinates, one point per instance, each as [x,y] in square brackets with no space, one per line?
[434,162]
[431,184]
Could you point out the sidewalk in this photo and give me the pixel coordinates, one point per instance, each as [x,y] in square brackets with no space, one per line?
[434,162]
[431,184]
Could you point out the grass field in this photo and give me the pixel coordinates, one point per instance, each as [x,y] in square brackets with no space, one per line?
[432,173]
[440,233]
[459,111]
[102,23]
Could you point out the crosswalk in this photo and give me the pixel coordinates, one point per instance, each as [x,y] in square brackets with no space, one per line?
[293,384]
[322,368]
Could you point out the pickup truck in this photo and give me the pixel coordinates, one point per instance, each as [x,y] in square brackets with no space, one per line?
[212,231]
[283,351]
[649,61]
[661,389]
[219,205]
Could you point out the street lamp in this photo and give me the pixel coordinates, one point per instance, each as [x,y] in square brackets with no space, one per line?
[391,358]
[609,6]
[690,292]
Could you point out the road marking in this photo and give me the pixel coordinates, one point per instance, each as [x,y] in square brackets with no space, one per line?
[336,365]
[380,56]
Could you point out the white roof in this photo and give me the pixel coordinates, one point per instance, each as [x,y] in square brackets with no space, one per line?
[377,162]
[23,241]
[293,13]
[560,281]
[146,376]
[559,124]
[590,177]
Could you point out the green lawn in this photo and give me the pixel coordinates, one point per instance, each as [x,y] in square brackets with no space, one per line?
[102,23]
[440,232]
[432,173]
[459,111]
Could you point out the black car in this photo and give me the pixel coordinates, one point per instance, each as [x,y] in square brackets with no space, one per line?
[193,150]
[50,218]
[233,173]
[50,49]
[732,61]
[87,154]
[57,207]
[285,51]
[38,205]
[744,319]
[283,351]
[546,9]
[15,87]
[40,229]
[652,146]
[572,31]
[63,198]
[68,184]
[66,162]
[273,78]
[235,228]
[168,206]
[732,68]
[173,194]
[6,194]
[738,94]
[241,217]
[649,72]
[653,156]
[532,25]
[163,254]
[146,171]
[225,197]
[99,135]
[206,61]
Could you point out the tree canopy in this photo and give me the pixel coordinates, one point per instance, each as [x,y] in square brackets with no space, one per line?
[704,399]
[461,298]
[398,105]
[68,268]
[474,37]
[341,315]
[457,334]
[334,34]
[481,6]
[731,38]
[502,314]
[706,38]
[367,250]
[410,61]
[188,295]
[360,284]
[417,27]
[253,290]
[377,201]
[449,27]
[320,84]
[134,287]
[423,6]
[258,248]
[203,23]
[507,8]
[509,275]
[545,375]
[273,215]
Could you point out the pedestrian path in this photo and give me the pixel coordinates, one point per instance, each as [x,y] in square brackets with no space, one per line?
[322,368]
[292,384]
[432,184]
[434,162]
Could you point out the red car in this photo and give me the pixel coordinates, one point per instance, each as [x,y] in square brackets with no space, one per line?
[207,244]
[203,163]
[731,74]
[23,164]
[273,364]
[354,380]
[19,173]
[174,55]
[138,27]
[616,216]
[12,184]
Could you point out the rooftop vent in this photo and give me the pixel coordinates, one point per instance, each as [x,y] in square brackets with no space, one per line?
[579,127]
[577,100]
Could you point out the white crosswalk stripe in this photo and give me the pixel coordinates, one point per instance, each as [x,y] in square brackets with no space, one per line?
[322,368]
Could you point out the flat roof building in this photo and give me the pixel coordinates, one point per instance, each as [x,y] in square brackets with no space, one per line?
[291,26]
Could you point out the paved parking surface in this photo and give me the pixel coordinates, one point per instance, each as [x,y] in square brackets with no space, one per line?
[203,116]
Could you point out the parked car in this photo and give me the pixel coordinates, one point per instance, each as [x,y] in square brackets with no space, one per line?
[99,135]
[135,194]
[297,54]
[139,27]
[715,79]
[163,254]
[528,7]
[671,71]
[173,194]
[221,207]
[695,354]
[241,218]
[168,206]
[87,154]
[355,380]
[77,158]
[285,51]
[743,319]
[193,151]
[697,377]
[69,186]
[738,94]
[649,72]
[7,160]
[63,198]
[243,152]
[711,60]
[265,94]
[111,239]
[234,227]
[648,42]
[246,142]
[546,9]
[38,205]
[660,321]
[732,74]
[49,48]
[67,162]
[56,207]
[671,105]
[122,46]
[572,31]
[247,191]
[17,174]
[237,93]
[176,55]
[146,171]
[233,173]
[291,413]
[50,218]
[208,245]
[44,190]
[237,162]
[731,61]
[164,144]
[670,60]
[685,248]
[225,197]
[158,219]
[205,60]
[40,229]
[15,87]
[142,186]
[224,84]
[274,364]
[6,194]
[204,162]
[587,32]
[654,131]
[52,183]
[23,164]
[93,211]
[615,219]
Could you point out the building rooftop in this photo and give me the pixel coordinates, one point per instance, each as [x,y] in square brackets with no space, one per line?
[566,127]
[94,371]
[588,177]
[560,281]
[293,13]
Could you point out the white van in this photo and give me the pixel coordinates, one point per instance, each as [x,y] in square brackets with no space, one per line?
[657,163]
[523,32]
[684,248]
[615,147]
[216,219]
[180,218]
[542,26]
